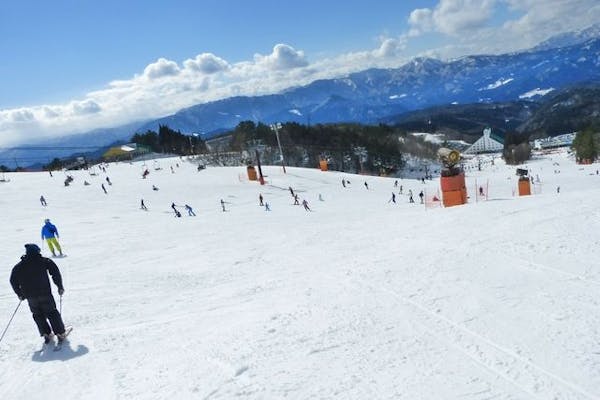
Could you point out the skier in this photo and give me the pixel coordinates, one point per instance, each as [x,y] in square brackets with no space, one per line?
[396,183]
[305,204]
[191,212]
[321,197]
[296,203]
[400,192]
[108,181]
[291,191]
[260,199]
[43,201]
[421,194]
[410,196]
[146,173]
[223,205]
[86,183]
[177,213]
[154,188]
[267,208]
[393,199]
[50,233]
[104,189]
[481,190]
[143,206]
[343,182]
[29,280]
[558,189]
[366,185]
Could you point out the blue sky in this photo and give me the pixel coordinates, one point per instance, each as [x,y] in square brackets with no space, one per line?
[71,66]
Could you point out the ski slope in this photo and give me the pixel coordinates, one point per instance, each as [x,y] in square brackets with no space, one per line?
[358,299]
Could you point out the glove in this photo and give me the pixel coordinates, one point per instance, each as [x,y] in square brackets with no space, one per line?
[61,291]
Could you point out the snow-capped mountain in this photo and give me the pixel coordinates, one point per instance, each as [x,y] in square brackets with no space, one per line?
[371,95]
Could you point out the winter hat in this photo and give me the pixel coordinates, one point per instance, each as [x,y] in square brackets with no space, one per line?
[47,220]
[32,248]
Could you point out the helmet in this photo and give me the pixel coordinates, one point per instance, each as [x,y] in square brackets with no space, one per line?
[47,220]
[32,248]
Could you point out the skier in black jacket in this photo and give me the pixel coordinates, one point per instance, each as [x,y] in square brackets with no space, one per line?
[29,280]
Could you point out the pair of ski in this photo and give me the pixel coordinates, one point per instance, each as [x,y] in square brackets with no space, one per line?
[58,345]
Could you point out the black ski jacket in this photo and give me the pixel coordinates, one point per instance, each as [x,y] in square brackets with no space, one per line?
[30,276]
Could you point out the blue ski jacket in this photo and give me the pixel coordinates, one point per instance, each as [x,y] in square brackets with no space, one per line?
[49,231]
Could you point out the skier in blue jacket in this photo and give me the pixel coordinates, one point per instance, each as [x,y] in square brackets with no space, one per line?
[50,233]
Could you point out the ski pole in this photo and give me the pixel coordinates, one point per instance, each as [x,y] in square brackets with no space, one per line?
[60,311]
[9,321]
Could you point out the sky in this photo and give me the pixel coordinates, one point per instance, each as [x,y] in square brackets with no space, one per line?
[361,298]
[70,66]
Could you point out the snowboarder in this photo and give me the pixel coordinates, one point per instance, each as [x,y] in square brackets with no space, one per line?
[50,233]
[29,280]
[104,189]
[191,212]
[260,199]
[43,201]
[305,204]
[223,205]
[143,206]
[421,194]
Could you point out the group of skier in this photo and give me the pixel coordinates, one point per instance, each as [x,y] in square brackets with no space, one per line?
[29,280]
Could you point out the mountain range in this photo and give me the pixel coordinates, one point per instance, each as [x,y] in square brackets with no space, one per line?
[517,80]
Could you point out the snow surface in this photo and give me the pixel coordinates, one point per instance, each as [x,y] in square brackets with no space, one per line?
[358,299]
[498,83]
[535,92]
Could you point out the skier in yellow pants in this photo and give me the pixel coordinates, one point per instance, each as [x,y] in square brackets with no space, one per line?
[50,233]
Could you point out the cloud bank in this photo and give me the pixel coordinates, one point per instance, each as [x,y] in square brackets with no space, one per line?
[459,27]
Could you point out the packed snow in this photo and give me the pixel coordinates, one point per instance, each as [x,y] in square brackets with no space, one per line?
[360,298]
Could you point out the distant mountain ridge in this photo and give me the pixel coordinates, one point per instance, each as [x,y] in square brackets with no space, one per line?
[375,95]
[370,95]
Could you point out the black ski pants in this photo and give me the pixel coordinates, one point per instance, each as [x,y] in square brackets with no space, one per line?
[44,309]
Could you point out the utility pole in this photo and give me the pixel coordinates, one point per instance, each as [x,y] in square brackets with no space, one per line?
[276,127]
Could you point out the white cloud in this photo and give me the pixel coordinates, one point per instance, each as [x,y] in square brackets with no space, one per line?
[451,17]
[85,107]
[282,57]
[206,63]
[21,115]
[161,68]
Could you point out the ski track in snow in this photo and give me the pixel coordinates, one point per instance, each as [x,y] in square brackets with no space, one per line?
[361,299]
